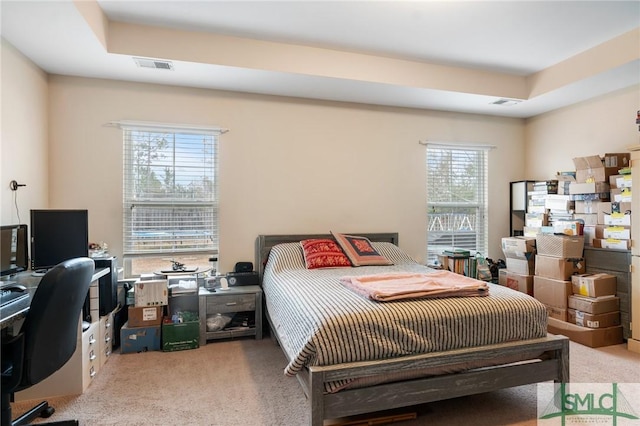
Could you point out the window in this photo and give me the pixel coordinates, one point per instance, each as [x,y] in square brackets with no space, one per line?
[170,197]
[456,199]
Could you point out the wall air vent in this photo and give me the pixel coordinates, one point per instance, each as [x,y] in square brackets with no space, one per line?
[506,102]
[157,64]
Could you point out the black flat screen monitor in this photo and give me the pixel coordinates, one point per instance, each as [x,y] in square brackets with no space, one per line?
[58,235]
[14,249]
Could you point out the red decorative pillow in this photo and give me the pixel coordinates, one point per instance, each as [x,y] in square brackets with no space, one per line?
[323,253]
[360,251]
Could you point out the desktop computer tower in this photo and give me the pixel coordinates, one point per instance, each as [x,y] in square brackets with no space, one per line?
[108,284]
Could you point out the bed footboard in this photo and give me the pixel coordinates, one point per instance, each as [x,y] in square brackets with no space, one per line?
[554,365]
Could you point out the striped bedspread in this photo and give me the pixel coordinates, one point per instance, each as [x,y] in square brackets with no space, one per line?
[321,322]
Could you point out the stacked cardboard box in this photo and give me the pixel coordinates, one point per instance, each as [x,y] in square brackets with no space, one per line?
[142,331]
[593,316]
[519,255]
[598,181]
[559,257]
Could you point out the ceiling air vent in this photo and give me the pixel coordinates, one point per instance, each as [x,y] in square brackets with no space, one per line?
[153,63]
[506,102]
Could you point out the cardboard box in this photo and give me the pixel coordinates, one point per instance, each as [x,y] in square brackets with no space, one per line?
[596,169]
[588,207]
[611,244]
[621,195]
[616,219]
[620,181]
[558,268]
[588,188]
[613,232]
[615,161]
[586,218]
[592,337]
[558,202]
[608,207]
[180,336]
[522,283]
[551,292]
[594,285]
[584,319]
[151,293]
[519,247]
[567,227]
[536,220]
[592,305]
[589,233]
[568,246]
[521,266]
[139,339]
[557,313]
[145,316]
[589,169]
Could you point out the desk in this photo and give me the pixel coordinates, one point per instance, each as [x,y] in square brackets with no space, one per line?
[76,375]
[13,312]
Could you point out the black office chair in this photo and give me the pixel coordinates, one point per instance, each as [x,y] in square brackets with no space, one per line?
[48,336]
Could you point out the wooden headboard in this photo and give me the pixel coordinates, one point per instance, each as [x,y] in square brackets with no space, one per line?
[265,242]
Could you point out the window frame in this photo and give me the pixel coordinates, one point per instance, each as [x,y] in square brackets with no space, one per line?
[450,219]
[206,201]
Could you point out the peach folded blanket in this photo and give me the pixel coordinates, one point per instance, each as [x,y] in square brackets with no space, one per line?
[396,286]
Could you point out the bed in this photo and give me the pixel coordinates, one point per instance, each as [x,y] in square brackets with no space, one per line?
[339,346]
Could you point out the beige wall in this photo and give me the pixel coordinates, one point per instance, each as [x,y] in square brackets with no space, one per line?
[23,130]
[603,125]
[287,165]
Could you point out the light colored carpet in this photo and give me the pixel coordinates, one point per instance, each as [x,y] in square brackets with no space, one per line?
[240,382]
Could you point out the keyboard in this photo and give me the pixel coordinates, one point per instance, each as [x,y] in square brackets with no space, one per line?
[10,296]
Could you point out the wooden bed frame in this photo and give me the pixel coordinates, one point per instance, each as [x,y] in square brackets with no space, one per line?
[553,365]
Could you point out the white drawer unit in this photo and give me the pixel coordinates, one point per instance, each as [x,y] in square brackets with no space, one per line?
[106,338]
[92,349]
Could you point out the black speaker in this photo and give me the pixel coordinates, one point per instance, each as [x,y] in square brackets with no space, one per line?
[242,278]
[243,267]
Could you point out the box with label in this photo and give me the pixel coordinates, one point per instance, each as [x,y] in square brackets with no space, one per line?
[558,202]
[551,292]
[610,243]
[588,188]
[557,313]
[620,181]
[589,169]
[613,162]
[522,283]
[521,266]
[519,247]
[584,319]
[139,339]
[558,268]
[151,293]
[608,207]
[569,246]
[145,316]
[592,337]
[613,232]
[536,220]
[180,336]
[621,195]
[567,227]
[589,207]
[616,219]
[593,305]
[594,285]
[586,218]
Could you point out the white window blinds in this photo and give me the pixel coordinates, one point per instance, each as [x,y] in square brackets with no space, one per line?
[456,198]
[170,192]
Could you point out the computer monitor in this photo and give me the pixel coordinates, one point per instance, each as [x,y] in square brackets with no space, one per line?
[58,235]
[14,251]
